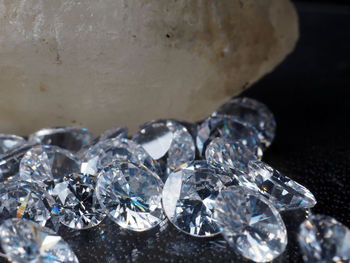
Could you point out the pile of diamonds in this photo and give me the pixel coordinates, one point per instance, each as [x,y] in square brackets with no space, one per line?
[206,179]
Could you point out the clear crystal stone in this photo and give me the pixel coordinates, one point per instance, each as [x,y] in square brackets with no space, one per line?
[169,140]
[250,224]
[189,196]
[231,129]
[285,193]
[255,113]
[69,138]
[131,195]
[10,142]
[235,155]
[118,132]
[108,151]
[25,241]
[322,239]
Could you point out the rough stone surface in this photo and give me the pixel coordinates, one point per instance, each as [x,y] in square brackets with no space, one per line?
[94,63]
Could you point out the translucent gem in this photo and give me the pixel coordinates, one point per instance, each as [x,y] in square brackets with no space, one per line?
[118,132]
[285,193]
[189,197]
[10,142]
[108,151]
[250,224]
[231,129]
[322,239]
[255,113]
[235,155]
[131,195]
[25,241]
[44,165]
[69,138]
[169,140]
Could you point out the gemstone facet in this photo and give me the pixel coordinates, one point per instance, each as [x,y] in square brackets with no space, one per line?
[131,195]
[25,241]
[118,132]
[10,142]
[69,138]
[250,224]
[230,128]
[189,196]
[285,193]
[253,112]
[322,239]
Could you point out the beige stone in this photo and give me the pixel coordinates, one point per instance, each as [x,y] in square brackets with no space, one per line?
[100,63]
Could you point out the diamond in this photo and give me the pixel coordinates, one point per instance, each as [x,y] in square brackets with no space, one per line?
[255,113]
[250,224]
[169,140]
[231,129]
[118,132]
[322,239]
[131,195]
[105,152]
[189,196]
[25,241]
[69,138]
[285,193]
[10,142]
[235,155]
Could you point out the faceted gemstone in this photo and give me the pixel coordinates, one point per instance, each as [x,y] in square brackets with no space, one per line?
[76,203]
[25,241]
[108,151]
[250,224]
[10,142]
[45,165]
[235,155]
[322,239]
[189,196]
[255,113]
[231,129]
[285,193]
[131,195]
[69,138]
[118,132]
[167,140]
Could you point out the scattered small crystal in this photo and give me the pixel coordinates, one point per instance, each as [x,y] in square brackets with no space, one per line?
[25,241]
[253,112]
[10,142]
[118,132]
[250,224]
[167,139]
[285,193]
[322,239]
[231,129]
[189,197]
[131,195]
[69,138]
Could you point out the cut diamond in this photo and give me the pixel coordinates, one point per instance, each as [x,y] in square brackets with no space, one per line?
[169,140]
[189,196]
[131,195]
[231,129]
[285,193]
[235,155]
[10,142]
[112,150]
[255,113]
[25,241]
[250,224]
[118,132]
[69,138]
[322,239]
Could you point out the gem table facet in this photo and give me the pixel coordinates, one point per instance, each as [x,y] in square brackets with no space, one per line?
[285,193]
[25,241]
[10,142]
[189,196]
[131,195]
[253,112]
[250,224]
[323,239]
